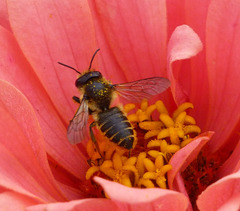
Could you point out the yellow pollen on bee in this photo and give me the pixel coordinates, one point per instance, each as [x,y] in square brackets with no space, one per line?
[147,164]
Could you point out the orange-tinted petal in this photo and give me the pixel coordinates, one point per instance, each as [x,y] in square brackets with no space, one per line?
[86,204]
[4,22]
[222,195]
[232,164]
[51,32]
[223,62]
[12,201]
[16,70]
[143,199]
[132,37]
[22,139]
[183,44]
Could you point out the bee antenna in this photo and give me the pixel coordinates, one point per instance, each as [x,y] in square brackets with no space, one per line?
[69,67]
[93,58]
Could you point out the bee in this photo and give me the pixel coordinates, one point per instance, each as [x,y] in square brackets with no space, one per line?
[97,96]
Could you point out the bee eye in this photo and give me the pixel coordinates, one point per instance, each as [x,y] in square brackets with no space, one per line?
[82,80]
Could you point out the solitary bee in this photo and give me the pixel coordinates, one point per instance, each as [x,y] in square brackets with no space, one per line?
[97,96]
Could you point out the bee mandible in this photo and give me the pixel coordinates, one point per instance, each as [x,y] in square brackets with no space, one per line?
[96,100]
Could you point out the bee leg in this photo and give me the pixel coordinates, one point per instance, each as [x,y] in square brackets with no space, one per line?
[76,99]
[93,138]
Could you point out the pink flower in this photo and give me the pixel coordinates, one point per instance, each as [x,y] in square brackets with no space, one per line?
[193,43]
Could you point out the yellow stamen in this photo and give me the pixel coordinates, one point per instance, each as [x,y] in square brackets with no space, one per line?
[91,171]
[140,166]
[151,134]
[149,165]
[144,105]
[161,181]
[133,118]
[149,110]
[180,119]
[167,120]
[159,162]
[161,107]
[163,134]
[190,120]
[150,175]
[192,129]
[117,162]
[129,107]
[154,143]
[182,108]
[146,182]
[185,142]
[151,125]
[131,161]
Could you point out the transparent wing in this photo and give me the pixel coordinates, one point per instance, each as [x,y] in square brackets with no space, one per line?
[77,130]
[136,91]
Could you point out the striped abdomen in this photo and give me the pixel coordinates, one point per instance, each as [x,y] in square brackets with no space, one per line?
[115,125]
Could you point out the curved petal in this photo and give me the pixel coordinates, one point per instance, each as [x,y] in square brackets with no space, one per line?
[12,201]
[132,37]
[86,204]
[142,199]
[194,14]
[226,194]
[21,135]
[223,61]
[16,70]
[50,32]
[4,22]
[183,44]
[182,158]
[232,164]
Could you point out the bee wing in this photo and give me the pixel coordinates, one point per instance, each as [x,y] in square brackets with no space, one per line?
[77,130]
[135,91]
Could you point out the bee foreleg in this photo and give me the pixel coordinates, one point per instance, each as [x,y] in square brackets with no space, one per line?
[93,138]
[76,99]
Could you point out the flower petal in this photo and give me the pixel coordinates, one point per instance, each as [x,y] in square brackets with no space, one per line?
[21,136]
[182,158]
[142,199]
[12,201]
[86,204]
[223,62]
[16,70]
[183,44]
[226,194]
[194,14]
[4,22]
[51,32]
[232,164]
[133,36]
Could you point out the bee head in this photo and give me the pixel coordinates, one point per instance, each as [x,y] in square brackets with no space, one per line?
[83,79]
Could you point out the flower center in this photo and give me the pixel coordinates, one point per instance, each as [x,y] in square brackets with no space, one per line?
[159,136]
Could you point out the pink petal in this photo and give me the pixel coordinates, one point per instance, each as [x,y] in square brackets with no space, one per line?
[4,22]
[21,137]
[142,199]
[16,70]
[223,62]
[132,37]
[185,156]
[13,201]
[15,177]
[232,164]
[194,14]
[183,44]
[224,194]
[50,32]
[86,204]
